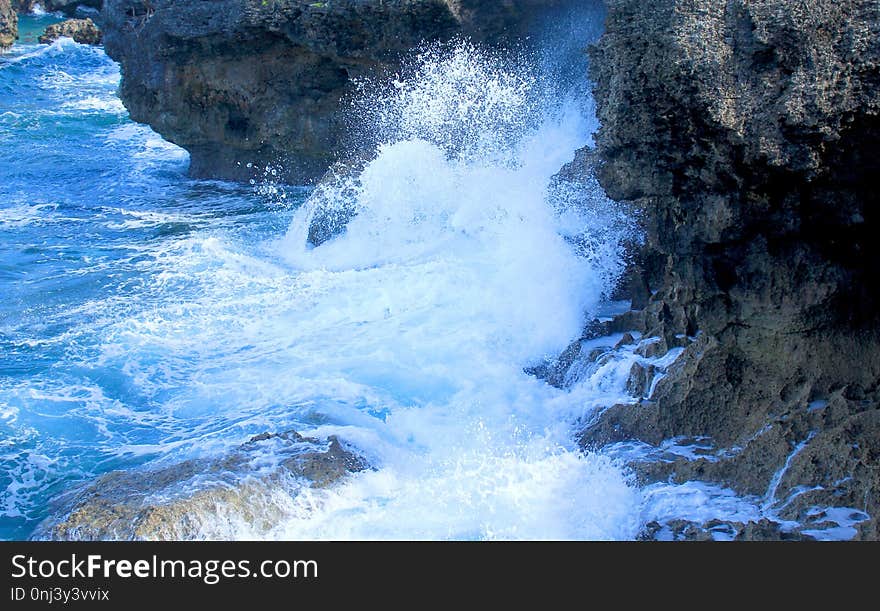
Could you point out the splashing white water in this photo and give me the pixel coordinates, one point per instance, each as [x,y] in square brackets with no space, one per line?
[406,336]
[474,105]
[455,274]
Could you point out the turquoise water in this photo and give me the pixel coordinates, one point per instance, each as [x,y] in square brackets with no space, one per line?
[30,27]
[90,204]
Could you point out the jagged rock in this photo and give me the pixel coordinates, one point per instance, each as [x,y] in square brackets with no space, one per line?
[767,530]
[333,203]
[180,501]
[244,83]
[83,31]
[640,378]
[743,133]
[652,347]
[685,530]
[841,467]
[8,25]
[626,340]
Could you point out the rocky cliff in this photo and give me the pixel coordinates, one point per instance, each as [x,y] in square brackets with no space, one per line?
[8,25]
[242,84]
[745,134]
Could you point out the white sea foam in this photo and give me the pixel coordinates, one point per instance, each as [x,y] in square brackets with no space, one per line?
[454,275]
[838,523]
[698,502]
[21,215]
[406,336]
[110,105]
[148,147]
[28,52]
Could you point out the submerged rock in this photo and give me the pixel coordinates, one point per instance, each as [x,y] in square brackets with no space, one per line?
[83,31]
[202,498]
[743,134]
[8,25]
[334,202]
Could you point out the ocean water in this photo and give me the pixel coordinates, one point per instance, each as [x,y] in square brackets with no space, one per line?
[147,318]
[101,237]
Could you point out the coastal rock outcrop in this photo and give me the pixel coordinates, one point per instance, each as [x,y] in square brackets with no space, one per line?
[83,31]
[242,84]
[251,485]
[744,134]
[8,25]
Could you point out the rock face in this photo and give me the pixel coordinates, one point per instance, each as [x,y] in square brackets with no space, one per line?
[745,134]
[83,31]
[8,25]
[250,485]
[242,84]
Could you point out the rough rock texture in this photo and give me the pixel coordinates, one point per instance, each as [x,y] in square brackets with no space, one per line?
[83,31]
[251,486]
[745,133]
[242,84]
[8,25]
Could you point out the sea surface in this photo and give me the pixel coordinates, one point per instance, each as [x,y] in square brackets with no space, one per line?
[147,318]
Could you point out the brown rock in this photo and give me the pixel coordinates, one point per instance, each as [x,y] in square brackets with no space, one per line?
[83,31]
[184,500]
[8,25]
[639,382]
